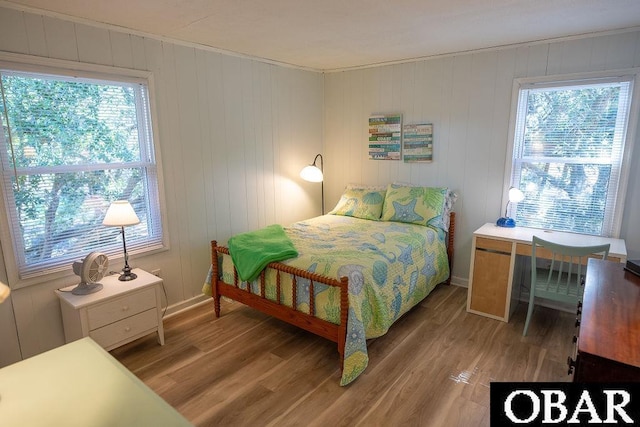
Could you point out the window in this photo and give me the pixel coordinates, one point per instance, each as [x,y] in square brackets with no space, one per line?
[568,152]
[69,147]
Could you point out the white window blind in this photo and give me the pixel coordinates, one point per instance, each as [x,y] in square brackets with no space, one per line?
[69,147]
[568,150]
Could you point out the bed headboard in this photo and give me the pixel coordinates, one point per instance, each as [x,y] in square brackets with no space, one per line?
[450,239]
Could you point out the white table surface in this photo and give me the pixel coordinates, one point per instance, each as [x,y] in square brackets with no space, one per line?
[79,384]
[525,235]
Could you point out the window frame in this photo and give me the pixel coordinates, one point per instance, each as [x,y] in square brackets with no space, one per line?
[629,138]
[30,64]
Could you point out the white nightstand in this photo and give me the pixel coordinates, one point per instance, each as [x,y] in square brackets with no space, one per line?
[119,313]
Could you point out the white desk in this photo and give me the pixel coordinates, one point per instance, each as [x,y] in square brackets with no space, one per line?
[493,256]
[79,384]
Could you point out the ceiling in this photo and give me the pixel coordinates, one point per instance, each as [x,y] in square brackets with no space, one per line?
[341,34]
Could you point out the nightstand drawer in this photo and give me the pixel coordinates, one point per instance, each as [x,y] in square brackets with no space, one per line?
[121,308]
[119,331]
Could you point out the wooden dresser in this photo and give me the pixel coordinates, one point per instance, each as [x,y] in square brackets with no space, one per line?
[608,342]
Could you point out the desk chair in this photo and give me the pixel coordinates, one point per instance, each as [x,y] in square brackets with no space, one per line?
[562,280]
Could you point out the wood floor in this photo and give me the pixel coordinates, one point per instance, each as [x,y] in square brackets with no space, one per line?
[433,368]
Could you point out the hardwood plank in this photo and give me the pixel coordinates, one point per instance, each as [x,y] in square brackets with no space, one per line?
[433,367]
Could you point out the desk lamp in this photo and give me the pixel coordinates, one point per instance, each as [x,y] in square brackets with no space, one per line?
[121,214]
[312,173]
[515,196]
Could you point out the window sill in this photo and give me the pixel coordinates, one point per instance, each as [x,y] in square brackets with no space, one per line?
[65,276]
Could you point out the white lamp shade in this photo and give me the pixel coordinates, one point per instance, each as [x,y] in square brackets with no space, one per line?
[119,214]
[4,292]
[311,173]
[515,195]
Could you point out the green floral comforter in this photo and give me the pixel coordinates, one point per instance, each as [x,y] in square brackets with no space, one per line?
[391,267]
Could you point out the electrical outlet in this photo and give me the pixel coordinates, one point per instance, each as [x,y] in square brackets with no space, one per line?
[156,272]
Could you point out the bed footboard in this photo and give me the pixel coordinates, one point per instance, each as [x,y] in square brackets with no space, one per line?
[307,321]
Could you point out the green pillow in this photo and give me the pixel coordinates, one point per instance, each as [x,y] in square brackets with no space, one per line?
[416,205]
[360,203]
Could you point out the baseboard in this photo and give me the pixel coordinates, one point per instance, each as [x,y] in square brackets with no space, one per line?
[182,306]
[460,281]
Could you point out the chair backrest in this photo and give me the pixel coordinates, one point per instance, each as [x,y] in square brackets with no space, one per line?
[565,273]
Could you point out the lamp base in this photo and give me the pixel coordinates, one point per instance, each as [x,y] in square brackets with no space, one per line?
[124,277]
[506,222]
[127,275]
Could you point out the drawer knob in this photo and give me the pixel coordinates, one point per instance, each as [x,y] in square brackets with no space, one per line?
[575,339]
[577,323]
[127,328]
[125,307]
[572,364]
[579,305]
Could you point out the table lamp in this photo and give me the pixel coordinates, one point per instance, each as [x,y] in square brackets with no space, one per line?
[515,196]
[4,292]
[121,214]
[312,173]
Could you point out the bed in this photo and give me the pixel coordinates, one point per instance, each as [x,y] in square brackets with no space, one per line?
[358,269]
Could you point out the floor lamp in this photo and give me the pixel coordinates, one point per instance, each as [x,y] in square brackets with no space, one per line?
[121,214]
[312,173]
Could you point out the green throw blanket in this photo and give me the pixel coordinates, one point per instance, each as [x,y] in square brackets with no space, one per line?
[252,251]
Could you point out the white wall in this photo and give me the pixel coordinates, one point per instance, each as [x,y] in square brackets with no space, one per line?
[9,344]
[233,134]
[468,99]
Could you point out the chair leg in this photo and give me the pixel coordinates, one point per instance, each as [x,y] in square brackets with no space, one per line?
[529,311]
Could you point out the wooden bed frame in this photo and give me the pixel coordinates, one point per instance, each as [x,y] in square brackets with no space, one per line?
[308,322]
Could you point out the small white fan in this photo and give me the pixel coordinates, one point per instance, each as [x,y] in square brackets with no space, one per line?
[91,270]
